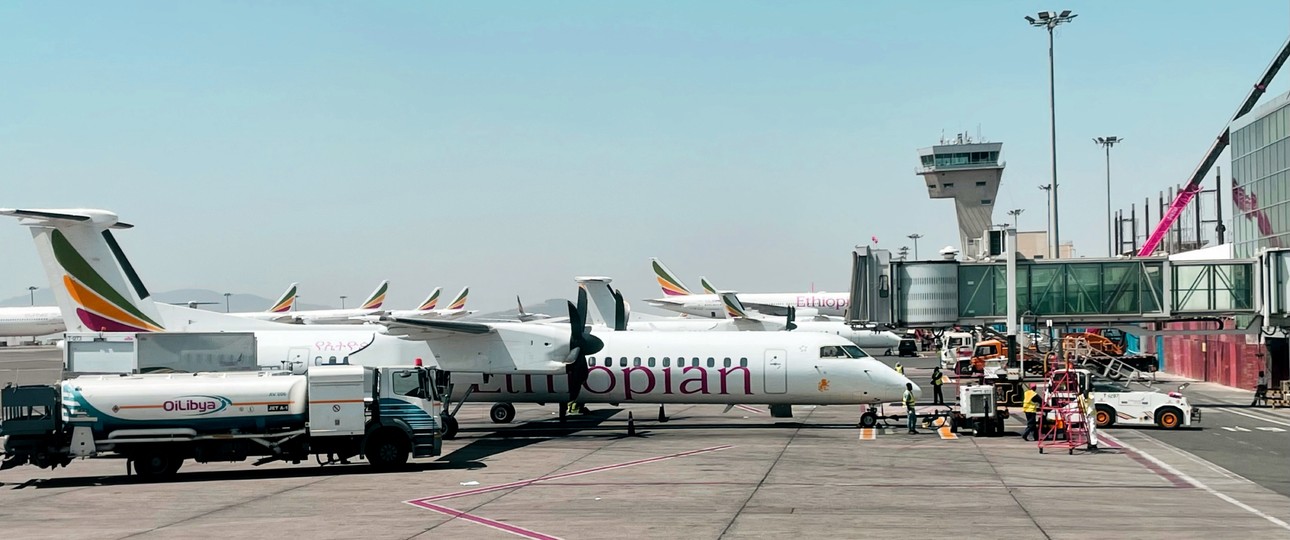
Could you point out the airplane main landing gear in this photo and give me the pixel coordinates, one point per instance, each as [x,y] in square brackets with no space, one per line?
[502,413]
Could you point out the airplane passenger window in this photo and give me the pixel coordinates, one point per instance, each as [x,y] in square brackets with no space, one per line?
[666,361]
[609,361]
[331,360]
[636,361]
[726,363]
[712,362]
[651,361]
[743,362]
[622,362]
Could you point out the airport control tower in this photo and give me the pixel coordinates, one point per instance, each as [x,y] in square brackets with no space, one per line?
[969,172]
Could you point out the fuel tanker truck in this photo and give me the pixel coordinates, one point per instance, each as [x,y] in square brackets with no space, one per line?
[386,414]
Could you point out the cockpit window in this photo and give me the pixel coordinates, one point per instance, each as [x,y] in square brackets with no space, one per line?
[854,351]
[832,351]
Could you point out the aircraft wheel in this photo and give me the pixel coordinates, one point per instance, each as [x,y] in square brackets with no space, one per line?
[868,419]
[449,427]
[502,413]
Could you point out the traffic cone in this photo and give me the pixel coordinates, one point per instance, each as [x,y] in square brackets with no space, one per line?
[662,416]
[631,425]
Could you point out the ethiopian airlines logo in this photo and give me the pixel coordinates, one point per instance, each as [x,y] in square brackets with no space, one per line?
[196,405]
[99,305]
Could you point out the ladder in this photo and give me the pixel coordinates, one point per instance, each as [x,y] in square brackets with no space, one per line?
[1061,424]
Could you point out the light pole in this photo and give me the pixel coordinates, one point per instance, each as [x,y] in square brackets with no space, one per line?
[226,295]
[32,291]
[1108,142]
[1050,20]
[904,252]
[342,301]
[915,238]
[1048,188]
[1014,213]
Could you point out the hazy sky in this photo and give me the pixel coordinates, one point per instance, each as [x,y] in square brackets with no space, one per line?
[513,145]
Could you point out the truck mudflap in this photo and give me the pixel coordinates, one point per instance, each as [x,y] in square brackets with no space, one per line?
[1195,414]
[425,443]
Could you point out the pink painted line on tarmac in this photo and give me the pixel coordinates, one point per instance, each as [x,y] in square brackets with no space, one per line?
[1150,465]
[602,468]
[504,527]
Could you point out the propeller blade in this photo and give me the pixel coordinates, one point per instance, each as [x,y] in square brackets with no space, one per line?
[792,315]
[620,312]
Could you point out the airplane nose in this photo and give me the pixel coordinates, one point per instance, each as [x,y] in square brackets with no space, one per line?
[918,392]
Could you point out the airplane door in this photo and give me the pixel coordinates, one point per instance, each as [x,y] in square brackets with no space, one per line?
[298,356]
[775,374]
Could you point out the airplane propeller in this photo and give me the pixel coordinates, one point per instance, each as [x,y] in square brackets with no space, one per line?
[581,344]
[790,325]
[620,312]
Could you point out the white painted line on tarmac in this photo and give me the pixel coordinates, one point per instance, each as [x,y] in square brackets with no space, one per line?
[1272,429]
[1271,519]
[1229,429]
[1258,417]
[1239,428]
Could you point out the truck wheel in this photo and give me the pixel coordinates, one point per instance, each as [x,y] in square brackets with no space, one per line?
[1104,417]
[868,419]
[449,427]
[502,413]
[1169,418]
[155,465]
[387,449]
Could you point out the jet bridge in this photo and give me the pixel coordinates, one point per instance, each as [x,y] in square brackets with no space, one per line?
[943,293]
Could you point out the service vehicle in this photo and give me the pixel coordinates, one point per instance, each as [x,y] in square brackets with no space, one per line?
[157,421]
[1117,405]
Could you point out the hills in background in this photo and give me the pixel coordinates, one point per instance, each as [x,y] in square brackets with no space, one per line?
[250,302]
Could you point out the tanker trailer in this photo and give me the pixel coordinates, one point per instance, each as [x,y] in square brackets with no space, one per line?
[384,414]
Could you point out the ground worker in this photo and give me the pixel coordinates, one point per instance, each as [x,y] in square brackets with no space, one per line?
[1030,406]
[1089,410]
[937,380]
[900,369]
[1260,390]
[910,414]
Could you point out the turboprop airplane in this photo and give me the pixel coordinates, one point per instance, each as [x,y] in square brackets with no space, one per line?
[280,311]
[678,298]
[426,310]
[30,321]
[604,300]
[99,291]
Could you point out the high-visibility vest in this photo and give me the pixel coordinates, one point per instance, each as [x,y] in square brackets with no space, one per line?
[900,369]
[908,398]
[1027,402]
[938,378]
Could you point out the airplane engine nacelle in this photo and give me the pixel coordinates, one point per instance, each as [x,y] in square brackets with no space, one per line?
[534,350]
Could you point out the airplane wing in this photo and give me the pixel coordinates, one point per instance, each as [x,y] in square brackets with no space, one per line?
[488,347]
[663,301]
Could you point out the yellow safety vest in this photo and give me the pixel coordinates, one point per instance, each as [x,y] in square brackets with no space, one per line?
[900,369]
[908,398]
[938,379]
[1027,402]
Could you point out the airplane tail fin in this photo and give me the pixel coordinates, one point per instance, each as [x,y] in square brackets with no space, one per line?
[519,304]
[431,301]
[286,301]
[603,305]
[707,286]
[97,288]
[667,280]
[460,301]
[377,297]
[734,308]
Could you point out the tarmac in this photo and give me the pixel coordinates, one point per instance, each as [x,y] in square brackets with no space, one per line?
[701,474]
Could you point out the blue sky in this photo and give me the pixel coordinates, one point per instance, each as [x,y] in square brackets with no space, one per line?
[512,145]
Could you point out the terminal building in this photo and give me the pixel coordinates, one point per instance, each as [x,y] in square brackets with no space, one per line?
[1260,185]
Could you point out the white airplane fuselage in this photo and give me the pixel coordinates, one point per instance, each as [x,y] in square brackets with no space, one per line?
[721,368]
[30,321]
[709,305]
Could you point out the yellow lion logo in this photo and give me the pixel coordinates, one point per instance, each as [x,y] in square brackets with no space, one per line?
[824,385]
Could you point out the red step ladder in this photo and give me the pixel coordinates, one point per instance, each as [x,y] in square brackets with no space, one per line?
[1061,422]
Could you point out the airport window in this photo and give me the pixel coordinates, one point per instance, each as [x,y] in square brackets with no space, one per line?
[743,362]
[726,363]
[651,361]
[636,362]
[979,184]
[622,362]
[712,362]
[986,201]
[947,185]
